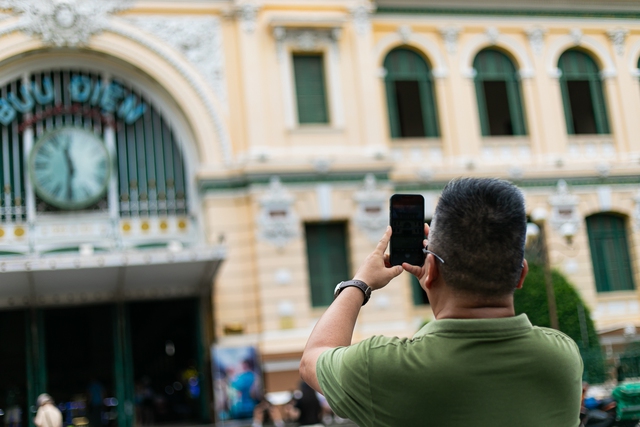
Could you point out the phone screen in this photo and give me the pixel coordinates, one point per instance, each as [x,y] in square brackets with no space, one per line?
[407,222]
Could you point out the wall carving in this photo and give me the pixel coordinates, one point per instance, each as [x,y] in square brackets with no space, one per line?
[277,221]
[371,215]
[536,39]
[618,36]
[64,22]
[198,39]
[564,209]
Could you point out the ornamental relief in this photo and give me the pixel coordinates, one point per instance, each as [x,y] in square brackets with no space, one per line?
[64,22]
[199,39]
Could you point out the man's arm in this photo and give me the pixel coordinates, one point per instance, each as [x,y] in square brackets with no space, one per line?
[335,327]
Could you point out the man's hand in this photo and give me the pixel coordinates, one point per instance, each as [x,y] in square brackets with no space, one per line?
[419,271]
[376,271]
[335,327]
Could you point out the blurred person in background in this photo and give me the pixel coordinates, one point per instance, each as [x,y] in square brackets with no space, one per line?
[48,415]
[307,406]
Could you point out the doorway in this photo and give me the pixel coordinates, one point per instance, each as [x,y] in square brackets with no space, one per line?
[80,361]
[13,381]
[165,348]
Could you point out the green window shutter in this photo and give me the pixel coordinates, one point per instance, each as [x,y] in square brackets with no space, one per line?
[419,295]
[578,66]
[406,66]
[492,65]
[327,260]
[310,88]
[610,253]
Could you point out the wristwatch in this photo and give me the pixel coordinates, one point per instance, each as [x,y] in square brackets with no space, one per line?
[358,284]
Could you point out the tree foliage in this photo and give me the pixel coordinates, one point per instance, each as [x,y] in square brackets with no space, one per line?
[532,300]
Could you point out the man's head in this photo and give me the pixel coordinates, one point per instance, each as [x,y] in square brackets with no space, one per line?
[479,230]
[44,398]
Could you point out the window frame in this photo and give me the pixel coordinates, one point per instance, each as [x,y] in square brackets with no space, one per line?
[323,295]
[512,81]
[297,85]
[598,97]
[619,243]
[310,40]
[428,102]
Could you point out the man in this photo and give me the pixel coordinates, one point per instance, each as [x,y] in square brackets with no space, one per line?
[477,364]
[48,415]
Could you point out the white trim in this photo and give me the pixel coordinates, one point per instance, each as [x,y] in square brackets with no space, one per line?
[634,54]
[324,41]
[420,42]
[563,43]
[476,44]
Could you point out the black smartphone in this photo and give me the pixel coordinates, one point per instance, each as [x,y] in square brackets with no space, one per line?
[407,222]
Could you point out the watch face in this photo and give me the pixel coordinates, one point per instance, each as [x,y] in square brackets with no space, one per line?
[70,168]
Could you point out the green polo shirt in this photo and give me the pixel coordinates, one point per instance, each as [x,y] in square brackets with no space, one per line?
[458,372]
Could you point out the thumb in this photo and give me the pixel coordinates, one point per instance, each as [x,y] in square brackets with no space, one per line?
[394,271]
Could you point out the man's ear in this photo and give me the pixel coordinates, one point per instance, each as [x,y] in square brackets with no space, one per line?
[525,270]
[432,271]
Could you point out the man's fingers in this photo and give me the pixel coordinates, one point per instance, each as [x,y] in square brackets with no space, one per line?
[387,262]
[384,241]
[413,269]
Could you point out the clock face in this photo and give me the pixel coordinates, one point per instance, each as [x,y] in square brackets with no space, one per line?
[70,168]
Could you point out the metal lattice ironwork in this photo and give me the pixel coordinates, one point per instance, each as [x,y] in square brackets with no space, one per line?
[149,163]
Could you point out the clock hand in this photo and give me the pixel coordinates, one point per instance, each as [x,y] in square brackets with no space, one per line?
[71,172]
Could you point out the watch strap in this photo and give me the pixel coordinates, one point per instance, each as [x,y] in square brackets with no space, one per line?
[366,290]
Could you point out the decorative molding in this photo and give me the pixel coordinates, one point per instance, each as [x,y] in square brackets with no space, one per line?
[492,34]
[310,39]
[371,215]
[450,37]
[523,63]
[536,39]
[404,31]
[306,39]
[199,39]
[248,14]
[562,43]
[618,36]
[636,211]
[225,140]
[64,22]
[576,35]
[420,42]
[564,212]
[361,15]
[277,221]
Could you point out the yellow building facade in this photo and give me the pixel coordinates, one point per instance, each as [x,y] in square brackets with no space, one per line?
[293,122]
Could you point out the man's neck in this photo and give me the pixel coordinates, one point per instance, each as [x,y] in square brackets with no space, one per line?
[467,307]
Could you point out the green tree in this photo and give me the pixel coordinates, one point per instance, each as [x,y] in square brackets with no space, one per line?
[532,300]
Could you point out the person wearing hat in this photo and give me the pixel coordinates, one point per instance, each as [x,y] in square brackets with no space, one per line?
[48,415]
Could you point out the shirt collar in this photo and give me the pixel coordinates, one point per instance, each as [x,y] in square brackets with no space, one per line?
[473,327]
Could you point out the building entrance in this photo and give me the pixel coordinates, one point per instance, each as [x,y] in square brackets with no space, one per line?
[116,365]
[80,361]
[166,366]
[13,363]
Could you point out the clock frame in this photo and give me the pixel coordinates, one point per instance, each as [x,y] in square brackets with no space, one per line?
[70,168]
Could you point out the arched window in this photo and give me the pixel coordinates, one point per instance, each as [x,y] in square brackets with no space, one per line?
[498,93]
[585,111]
[610,252]
[410,95]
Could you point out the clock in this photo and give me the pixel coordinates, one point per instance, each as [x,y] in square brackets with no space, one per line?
[70,168]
